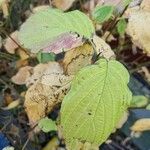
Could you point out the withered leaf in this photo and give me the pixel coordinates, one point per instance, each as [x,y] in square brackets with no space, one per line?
[46,93]
[138,28]
[10,45]
[141,125]
[103,48]
[77,58]
[22,75]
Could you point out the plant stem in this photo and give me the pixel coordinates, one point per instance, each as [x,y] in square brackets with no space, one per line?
[115,22]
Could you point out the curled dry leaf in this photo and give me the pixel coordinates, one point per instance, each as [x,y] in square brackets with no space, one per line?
[12,105]
[102,48]
[46,92]
[22,53]
[22,75]
[37,73]
[77,58]
[141,125]
[63,4]
[138,28]
[10,45]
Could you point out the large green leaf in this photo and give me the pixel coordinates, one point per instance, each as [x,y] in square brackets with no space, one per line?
[98,97]
[46,25]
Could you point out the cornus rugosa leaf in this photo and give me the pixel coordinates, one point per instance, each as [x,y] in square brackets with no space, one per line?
[43,27]
[97,100]
[103,13]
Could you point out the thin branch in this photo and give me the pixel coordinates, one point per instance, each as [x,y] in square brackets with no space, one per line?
[116,21]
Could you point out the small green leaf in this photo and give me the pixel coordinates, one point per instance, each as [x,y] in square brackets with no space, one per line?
[46,25]
[139,101]
[148,107]
[97,100]
[103,13]
[121,26]
[45,57]
[47,125]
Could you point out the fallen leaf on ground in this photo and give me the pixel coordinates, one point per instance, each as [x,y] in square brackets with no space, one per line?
[63,4]
[141,125]
[10,45]
[145,5]
[77,58]
[38,71]
[12,105]
[138,28]
[46,93]
[102,48]
[22,53]
[22,75]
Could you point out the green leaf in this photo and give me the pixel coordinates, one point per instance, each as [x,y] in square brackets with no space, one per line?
[46,25]
[139,101]
[148,107]
[47,125]
[102,13]
[121,26]
[98,98]
[45,57]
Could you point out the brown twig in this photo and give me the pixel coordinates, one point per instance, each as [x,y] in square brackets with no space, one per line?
[115,22]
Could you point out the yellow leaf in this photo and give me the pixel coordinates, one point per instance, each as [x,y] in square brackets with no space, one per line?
[52,144]
[77,58]
[139,30]
[141,125]
[12,105]
[46,92]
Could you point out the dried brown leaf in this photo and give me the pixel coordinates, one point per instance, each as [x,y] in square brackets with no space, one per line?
[102,48]
[22,75]
[10,45]
[46,92]
[77,58]
[12,105]
[139,30]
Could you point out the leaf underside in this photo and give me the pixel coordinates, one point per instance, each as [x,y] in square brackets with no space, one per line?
[46,25]
[98,97]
